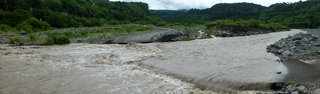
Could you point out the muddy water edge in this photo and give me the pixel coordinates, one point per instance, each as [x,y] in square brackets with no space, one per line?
[121,69]
[83,69]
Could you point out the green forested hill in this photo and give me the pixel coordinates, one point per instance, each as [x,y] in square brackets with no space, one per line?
[304,14]
[225,11]
[219,11]
[74,13]
[170,16]
[37,15]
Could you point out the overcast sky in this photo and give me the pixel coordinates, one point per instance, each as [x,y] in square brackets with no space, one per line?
[199,4]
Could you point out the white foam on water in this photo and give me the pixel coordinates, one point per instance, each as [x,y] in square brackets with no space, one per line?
[85,69]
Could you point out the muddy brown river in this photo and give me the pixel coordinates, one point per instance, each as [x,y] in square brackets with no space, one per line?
[202,66]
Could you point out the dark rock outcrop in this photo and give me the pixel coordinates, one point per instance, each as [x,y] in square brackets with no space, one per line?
[148,37]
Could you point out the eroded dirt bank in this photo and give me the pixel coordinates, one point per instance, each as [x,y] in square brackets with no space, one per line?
[218,64]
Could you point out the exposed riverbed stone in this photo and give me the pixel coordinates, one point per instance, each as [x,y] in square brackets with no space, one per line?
[231,31]
[303,46]
[162,36]
[300,46]
[302,89]
[317,91]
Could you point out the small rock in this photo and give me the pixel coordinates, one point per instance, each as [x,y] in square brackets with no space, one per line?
[277,86]
[279,92]
[293,49]
[316,44]
[317,91]
[224,34]
[286,53]
[297,38]
[295,92]
[23,32]
[301,88]
[291,88]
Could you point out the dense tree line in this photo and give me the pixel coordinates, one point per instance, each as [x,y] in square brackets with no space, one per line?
[74,13]
[254,25]
[304,14]
[171,16]
[37,15]
[216,12]
[225,11]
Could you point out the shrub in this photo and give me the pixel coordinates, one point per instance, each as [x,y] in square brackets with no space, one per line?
[161,23]
[290,82]
[33,25]
[84,33]
[69,34]
[25,27]
[61,39]
[15,40]
[33,37]
[49,41]
[94,22]
[6,29]
[56,38]
[37,24]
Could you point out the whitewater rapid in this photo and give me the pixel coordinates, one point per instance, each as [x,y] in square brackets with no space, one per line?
[206,66]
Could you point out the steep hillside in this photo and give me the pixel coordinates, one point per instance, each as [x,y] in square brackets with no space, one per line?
[235,11]
[169,15]
[218,11]
[75,13]
[296,15]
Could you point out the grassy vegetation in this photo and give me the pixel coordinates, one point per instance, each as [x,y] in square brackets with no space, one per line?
[291,83]
[245,24]
[33,37]
[57,38]
[33,25]
[17,39]
[5,29]
[242,26]
[63,36]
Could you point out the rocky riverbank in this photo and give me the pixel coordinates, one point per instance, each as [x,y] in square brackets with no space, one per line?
[293,49]
[304,46]
[231,28]
[300,88]
[240,31]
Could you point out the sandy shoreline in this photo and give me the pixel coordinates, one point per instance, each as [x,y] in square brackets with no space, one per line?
[216,64]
